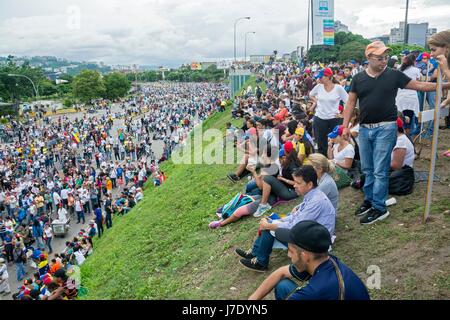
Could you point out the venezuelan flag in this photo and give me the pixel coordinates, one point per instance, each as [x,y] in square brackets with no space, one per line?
[75,137]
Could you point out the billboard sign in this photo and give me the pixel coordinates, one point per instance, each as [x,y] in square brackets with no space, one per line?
[323,22]
[196,66]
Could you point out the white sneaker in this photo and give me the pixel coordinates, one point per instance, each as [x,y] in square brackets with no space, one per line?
[262,208]
[390,202]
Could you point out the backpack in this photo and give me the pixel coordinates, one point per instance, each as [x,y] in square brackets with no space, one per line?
[401,182]
[238,201]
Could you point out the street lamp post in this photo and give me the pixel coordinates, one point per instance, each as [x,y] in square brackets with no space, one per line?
[235,23]
[250,32]
[23,76]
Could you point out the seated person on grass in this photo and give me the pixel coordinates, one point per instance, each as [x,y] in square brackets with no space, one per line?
[401,177]
[324,168]
[340,150]
[273,189]
[315,206]
[328,278]
[283,185]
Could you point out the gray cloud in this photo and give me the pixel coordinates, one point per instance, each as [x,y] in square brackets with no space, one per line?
[172,32]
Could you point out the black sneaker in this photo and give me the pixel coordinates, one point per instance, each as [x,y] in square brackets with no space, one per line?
[233,177]
[363,209]
[253,264]
[244,254]
[374,215]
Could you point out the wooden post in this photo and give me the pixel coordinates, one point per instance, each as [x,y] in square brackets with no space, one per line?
[433,147]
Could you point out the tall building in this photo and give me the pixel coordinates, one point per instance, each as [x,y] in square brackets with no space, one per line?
[417,33]
[430,32]
[397,35]
[340,27]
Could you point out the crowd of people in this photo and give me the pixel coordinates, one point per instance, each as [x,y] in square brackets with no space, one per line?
[81,172]
[305,136]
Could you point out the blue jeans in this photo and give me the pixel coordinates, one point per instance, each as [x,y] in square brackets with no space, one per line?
[48,242]
[284,288]
[262,248]
[20,271]
[251,186]
[375,149]
[431,99]
[80,216]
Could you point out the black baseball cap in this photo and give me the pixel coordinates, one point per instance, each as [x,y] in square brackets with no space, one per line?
[308,235]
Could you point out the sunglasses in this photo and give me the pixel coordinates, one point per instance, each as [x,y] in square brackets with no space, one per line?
[378,58]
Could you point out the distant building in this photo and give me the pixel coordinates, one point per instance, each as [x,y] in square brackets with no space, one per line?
[286,57]
[340,27]
[397,35]
[417,33]
[148,68]
[294,55]
[262,58]
[383,38]
[430,32]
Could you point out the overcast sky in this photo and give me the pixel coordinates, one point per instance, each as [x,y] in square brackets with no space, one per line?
[172,32]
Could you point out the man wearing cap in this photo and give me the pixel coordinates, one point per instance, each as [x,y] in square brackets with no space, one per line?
[315,206]
[376,89]
[328,278]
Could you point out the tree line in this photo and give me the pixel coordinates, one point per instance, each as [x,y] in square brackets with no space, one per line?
[349,46]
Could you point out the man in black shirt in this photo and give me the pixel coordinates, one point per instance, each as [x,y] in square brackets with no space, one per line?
[376,88]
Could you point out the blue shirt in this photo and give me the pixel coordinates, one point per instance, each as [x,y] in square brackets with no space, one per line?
[324,285]
[98,214]
[316,207]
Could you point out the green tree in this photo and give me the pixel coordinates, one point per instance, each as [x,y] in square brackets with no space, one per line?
[398,48]
[47,88]
[117,85]
[88,85]
[352,50]
[344,42]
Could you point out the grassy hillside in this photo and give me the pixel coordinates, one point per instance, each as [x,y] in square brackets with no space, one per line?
[163,248]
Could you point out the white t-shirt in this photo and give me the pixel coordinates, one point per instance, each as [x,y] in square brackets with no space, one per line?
[404,143]
[328,102]
[347,152]
[64,194]
[48,232]
[79,257]
[78,206]
[407,99]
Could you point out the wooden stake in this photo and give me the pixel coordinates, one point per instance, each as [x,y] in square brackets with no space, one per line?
[437,109]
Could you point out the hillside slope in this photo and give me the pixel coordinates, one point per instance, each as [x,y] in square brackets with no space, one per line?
[163,248]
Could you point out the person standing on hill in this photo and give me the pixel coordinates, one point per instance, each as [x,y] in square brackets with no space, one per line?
[376,89]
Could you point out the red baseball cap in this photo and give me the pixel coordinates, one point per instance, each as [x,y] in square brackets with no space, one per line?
[288,147]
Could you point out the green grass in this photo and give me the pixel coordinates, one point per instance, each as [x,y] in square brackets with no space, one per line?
[163,248]
[252,82]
